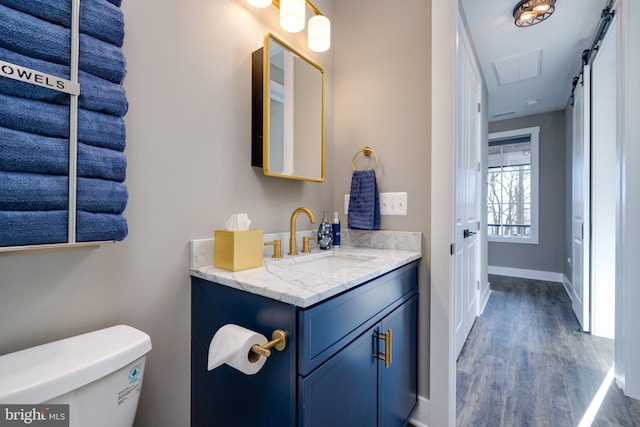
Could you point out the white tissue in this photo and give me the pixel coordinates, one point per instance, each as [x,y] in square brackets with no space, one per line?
[238,222]
[231,344]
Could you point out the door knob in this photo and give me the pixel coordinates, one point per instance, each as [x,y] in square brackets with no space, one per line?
[468,233]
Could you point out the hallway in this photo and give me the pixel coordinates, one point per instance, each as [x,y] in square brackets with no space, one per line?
[524,364]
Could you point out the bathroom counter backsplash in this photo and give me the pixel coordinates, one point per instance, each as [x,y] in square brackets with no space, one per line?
[385,251]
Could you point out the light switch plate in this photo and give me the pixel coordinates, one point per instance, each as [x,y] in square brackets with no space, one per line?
[390,203]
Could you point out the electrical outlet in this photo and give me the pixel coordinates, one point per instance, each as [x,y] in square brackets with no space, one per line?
[390,203]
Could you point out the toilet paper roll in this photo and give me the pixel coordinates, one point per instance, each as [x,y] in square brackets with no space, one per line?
[232,344]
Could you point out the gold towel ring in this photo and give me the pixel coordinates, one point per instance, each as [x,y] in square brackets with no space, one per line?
[367,151]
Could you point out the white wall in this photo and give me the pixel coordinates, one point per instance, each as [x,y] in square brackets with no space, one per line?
[188,148]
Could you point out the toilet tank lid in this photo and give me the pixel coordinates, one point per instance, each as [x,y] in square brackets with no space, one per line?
[38,374]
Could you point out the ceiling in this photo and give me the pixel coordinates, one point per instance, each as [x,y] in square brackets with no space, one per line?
[521,65]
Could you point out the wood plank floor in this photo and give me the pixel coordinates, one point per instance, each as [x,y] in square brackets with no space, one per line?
[524,364]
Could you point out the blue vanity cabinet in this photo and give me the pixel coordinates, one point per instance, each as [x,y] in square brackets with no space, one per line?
[329,374]
[355,387]
[226,397]
[398,383]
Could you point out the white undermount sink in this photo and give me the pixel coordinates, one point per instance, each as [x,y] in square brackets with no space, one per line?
[329,262]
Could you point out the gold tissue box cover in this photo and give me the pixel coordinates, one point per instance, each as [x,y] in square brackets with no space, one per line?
[237,250]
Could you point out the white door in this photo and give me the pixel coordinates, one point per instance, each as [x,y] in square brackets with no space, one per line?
[581,200]
[467,172]
[603,186]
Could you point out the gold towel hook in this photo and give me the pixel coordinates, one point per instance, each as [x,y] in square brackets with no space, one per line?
[367,151]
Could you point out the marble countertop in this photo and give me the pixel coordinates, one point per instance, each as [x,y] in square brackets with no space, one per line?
[278,280]
[282,280]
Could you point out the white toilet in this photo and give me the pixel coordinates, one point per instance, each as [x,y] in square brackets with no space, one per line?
[99,374]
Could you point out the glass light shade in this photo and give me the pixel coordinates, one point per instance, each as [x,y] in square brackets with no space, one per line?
[526,15]
[292,15]
[319,33]
[542,8]
[259,3]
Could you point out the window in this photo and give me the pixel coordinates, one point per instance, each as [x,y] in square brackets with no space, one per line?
[512,186]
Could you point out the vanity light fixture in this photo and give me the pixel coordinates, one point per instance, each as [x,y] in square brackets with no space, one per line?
[532,12]
[292,19]
[259,3]
[292,15]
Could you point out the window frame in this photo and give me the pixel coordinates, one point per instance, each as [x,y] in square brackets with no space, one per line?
[534,134]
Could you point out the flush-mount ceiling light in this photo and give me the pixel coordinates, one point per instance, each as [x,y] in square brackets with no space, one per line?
[532,12]
[292,19]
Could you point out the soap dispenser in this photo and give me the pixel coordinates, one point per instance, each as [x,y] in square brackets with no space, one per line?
[325,233]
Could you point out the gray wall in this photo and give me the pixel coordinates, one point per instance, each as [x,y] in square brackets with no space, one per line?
[549,254]
[188,147]
[382,99]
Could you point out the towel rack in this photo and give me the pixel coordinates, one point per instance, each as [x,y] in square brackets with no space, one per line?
[367,151]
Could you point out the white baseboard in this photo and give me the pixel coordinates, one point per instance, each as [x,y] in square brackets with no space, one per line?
[568,287]
[421,415]
[548,276]
[484,298]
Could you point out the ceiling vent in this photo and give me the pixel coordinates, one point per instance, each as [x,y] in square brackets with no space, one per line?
[519,67]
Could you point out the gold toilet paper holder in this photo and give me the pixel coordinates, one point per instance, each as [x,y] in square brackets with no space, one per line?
[278,341]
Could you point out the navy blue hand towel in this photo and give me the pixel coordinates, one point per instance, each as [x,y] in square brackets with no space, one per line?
[98,18]
[96,94]
[364,201]
[25,34]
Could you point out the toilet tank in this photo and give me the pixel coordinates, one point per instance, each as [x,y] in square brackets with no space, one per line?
[98,374]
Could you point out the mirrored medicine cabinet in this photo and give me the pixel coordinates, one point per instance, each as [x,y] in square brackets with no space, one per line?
[287,112]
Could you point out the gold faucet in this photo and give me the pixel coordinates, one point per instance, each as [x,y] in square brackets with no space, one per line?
[292,228]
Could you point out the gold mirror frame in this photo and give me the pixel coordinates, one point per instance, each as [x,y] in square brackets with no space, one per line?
[302,148]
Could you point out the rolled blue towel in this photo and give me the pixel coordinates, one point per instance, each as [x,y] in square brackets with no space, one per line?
[100,227]
[37,228]
[26,115]
[98,18]
[364,201]
[101,195]
[96,94]
[27,152]
[36,38]
[98,162]
[33,228]
[37,192]
[33,192]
